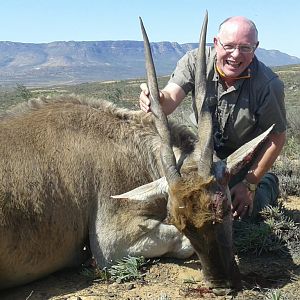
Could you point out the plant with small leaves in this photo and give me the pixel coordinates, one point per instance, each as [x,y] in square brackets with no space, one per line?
[274,295]
[127,269]
[96,273]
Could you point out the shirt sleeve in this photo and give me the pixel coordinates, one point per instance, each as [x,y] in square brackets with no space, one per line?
[272,108]
[183,74]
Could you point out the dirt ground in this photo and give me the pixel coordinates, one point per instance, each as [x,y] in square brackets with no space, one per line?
[174,279]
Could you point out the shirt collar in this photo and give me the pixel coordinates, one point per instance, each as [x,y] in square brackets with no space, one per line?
[245,75]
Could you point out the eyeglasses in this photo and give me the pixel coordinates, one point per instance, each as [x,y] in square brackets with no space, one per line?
[229,48]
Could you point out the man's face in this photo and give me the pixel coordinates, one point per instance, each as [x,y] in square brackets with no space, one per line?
[235,45]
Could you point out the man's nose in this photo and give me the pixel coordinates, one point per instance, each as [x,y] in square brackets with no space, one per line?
[236,52]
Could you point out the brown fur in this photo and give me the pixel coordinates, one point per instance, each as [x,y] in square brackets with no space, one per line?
[63,130]
[191,202]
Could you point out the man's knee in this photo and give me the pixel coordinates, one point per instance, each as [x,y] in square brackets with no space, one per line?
[267,192]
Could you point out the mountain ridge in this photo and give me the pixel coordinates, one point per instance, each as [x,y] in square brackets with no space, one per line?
[63,62]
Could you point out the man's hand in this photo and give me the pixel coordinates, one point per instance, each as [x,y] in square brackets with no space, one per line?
[242,200]
[144,98]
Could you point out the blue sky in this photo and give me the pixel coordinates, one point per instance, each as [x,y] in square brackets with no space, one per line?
[38,21]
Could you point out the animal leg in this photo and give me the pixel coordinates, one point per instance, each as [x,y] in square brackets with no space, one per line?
[162,240]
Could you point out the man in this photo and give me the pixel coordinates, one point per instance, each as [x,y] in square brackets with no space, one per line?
[245,98]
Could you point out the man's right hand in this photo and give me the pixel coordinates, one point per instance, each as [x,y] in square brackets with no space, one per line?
[144,98]
[169,98]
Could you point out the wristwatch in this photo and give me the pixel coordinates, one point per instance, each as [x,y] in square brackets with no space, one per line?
[251,186]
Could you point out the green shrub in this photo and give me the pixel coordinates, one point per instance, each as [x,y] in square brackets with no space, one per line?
[288,172]
[276,233]
[127,269]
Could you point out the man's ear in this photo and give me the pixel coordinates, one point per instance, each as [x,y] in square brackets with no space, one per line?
[215,41]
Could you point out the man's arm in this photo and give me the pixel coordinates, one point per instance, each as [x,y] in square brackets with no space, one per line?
[242,197]
[267,157]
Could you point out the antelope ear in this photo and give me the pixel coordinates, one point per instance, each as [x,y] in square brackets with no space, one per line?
[149,191]
[242,156]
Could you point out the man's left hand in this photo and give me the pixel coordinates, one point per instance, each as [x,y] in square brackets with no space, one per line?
[242,200]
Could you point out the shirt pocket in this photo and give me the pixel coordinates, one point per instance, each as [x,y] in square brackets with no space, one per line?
[242,127]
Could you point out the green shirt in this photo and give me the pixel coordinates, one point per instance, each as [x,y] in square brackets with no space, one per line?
[244,110]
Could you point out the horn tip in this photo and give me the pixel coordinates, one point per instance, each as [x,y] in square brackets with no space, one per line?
[141,21]
[206,14]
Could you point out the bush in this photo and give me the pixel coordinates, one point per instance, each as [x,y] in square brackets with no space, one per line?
[127,269]
[277,233]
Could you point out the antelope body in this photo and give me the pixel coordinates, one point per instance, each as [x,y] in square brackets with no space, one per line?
[61,160]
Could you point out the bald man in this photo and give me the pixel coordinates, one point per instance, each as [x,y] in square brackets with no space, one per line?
[245,98]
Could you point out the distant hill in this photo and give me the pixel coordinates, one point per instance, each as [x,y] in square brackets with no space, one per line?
[75,62]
